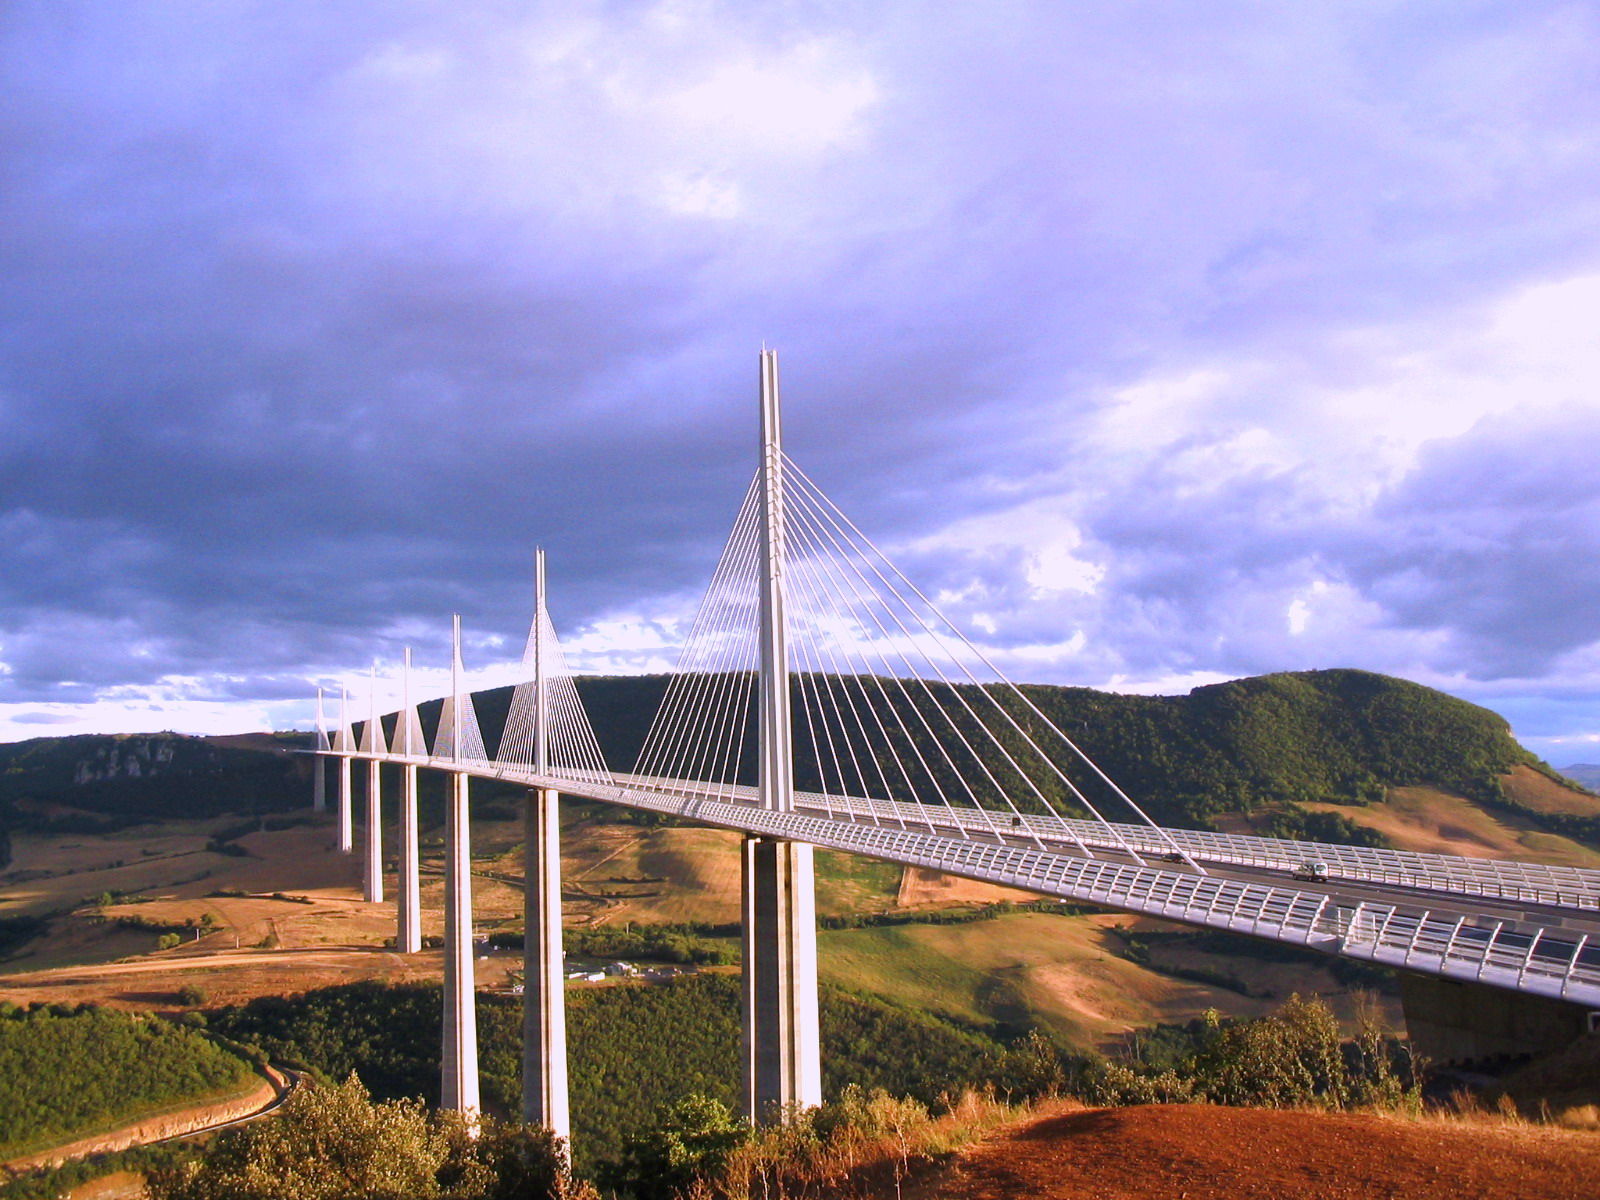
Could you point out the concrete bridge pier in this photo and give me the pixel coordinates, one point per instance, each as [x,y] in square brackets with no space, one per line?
[544,1007]
[782,1042]
[319,784]
[408,904]
[372,875]
[347,841]
[459,1089]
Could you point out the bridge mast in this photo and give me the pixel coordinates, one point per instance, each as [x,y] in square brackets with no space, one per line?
[544,1010]
[783,1066]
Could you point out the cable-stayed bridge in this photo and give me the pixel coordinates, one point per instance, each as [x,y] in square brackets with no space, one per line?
[821,699]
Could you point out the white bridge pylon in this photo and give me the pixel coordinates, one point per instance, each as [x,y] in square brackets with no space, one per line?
[822,699]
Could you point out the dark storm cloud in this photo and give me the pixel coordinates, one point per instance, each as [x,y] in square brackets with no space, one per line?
[1496,537]
[317,317]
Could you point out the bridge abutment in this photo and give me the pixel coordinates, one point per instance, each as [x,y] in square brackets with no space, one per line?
[544,1006]
[782,1041]
[1453,1022]
[459,1070]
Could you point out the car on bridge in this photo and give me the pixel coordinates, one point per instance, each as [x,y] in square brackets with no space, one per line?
[1312,872]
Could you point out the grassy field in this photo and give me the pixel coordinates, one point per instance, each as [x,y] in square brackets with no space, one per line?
[1433,821]
[1066,973]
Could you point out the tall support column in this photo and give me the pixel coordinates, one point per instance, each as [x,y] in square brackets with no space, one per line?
[408,904]
[459,1089]
[372,875]
[782,1044]
[544,1002]
[460,1061]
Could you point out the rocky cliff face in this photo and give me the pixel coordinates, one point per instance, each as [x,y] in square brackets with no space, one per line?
[130,757]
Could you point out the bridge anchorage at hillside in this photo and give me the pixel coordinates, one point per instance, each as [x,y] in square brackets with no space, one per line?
[821,699]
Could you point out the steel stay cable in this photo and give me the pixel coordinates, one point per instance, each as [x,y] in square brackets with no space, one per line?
[650,753]
[669,715]
[888,741]
[725,679]
[911,703]
[826,649]
[938,707]
[977,758]
[801,648]
[820,647]
[799,575]
[834,516]
[933,608]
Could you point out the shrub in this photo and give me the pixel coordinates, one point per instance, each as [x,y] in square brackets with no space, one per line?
[334,1143]
[691,1138]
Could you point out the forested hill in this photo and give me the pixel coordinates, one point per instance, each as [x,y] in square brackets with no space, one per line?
[121,778]
[1272,740]
[1269,742]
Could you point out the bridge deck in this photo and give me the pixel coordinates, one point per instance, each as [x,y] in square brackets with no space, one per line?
[1425,927]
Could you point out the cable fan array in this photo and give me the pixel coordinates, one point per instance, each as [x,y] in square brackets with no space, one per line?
[569,749]
[898,718]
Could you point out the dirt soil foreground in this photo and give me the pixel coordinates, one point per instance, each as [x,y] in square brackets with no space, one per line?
[1199,1152]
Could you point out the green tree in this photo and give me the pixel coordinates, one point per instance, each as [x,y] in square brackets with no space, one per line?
[692,1138]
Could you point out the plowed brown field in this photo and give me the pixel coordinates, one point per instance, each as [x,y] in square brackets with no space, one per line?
[1197,1152]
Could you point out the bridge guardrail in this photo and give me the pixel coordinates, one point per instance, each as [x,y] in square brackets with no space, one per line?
[1536,883]
[1532,959]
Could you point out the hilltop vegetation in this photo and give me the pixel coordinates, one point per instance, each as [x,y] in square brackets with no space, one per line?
[1261,745]
[66,1074]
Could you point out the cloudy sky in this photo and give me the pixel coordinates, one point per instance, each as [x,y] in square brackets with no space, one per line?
[1168,342]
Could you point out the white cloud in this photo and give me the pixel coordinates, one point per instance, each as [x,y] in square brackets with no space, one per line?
[805,99]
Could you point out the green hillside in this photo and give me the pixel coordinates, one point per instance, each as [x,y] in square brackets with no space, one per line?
[68,1073]
[1262,746]
[128,777]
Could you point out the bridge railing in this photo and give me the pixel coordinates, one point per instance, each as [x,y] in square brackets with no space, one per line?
[1535,883]
[1524,957]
